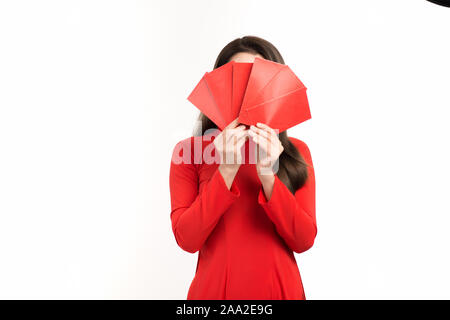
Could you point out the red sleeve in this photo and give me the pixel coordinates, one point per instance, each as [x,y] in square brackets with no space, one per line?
[195,215]
[294,216]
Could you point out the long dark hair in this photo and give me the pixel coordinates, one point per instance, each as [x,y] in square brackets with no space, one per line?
[292,169]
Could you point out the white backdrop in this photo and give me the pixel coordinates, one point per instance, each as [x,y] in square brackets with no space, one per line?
[93,99]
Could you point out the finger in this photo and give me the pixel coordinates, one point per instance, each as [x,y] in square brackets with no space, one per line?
[261,132]
[241,140]
[232,131]
[262,142]
[238,132]
[266,127]
[264,134]
[238,128]
[268,134]
[235,140]
[232,149]
[232,124]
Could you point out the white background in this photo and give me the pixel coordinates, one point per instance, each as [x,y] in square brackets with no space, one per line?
[93,99]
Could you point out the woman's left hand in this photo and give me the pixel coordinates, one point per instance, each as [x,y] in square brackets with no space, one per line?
[269,149]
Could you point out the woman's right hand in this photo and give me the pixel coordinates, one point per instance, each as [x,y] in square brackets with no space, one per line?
[228,144]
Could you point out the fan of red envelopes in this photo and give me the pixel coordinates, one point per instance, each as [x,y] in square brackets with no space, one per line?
[262,91]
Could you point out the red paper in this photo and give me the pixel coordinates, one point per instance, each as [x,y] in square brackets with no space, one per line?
[262,91]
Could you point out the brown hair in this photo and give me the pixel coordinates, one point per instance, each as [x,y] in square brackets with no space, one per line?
[292,169]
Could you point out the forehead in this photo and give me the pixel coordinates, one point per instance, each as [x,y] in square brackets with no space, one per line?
[244,57]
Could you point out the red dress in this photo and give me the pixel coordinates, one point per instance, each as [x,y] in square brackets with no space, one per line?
[245,242]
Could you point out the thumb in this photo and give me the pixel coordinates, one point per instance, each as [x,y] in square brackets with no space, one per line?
[232,124]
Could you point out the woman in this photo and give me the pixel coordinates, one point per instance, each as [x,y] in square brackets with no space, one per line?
[245,218]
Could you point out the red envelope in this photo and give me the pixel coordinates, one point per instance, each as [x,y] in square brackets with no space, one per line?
[262,91]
